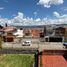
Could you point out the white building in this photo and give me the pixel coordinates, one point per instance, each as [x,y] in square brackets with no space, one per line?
[19,33]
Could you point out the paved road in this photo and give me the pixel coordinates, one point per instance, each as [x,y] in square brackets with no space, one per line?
[36,45]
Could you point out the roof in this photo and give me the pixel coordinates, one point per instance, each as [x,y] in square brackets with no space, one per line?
[57,28]
[1,27]
[8,29]
[53,61]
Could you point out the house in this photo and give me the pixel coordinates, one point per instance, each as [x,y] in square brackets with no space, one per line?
[1,29]
[65,31]
[9,29]
[19,33]
[32,31]
[36,32]
[7,33]
[59,31]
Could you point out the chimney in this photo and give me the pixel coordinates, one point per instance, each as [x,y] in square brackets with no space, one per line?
[6,25]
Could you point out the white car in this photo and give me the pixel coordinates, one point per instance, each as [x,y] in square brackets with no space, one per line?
[26,43]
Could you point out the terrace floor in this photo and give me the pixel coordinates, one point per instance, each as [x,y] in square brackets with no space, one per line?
[53,61]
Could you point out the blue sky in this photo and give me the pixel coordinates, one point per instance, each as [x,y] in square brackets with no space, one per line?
[28,7]
[50,9]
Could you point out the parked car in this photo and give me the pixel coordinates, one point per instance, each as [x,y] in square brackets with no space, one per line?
[26,43]
[65,44]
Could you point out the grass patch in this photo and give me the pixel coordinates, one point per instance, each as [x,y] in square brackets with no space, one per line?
[16,60]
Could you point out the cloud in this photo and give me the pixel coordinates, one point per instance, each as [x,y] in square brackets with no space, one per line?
[35,13]
[48,3]
[1,8]
[45,3]
[3,21]
[56,2]
[38,19]
[56,14]
[19,17]
[21,20]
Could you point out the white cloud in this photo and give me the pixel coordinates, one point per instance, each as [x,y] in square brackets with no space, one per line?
[58,15]
[48,3]
[35,13]
[45,3]
[56,2]
[38,19]
[20,20]
[1,8]
[19,17]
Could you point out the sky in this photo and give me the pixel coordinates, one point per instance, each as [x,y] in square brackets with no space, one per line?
[33,12]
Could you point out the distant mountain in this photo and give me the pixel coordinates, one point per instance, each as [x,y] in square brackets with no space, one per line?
[41,26]
[33,26]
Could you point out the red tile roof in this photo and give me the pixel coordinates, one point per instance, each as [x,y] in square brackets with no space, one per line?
[53,61]
[8,29]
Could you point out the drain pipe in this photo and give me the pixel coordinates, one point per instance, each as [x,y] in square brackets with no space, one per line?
[36,55]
